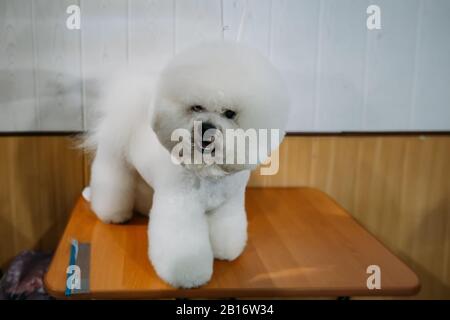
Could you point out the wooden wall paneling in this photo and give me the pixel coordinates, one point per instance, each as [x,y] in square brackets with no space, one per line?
[41,179]
[340,178]
[397,186]
[7,210]
[425,213]
[378,181]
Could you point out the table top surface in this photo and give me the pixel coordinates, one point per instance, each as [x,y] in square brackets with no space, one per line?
[301,243]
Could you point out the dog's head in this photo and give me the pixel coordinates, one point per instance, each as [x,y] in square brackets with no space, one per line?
[211,88]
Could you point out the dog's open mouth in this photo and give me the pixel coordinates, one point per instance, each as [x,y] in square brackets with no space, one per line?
[206,146]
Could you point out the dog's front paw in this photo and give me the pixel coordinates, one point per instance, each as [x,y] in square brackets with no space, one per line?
[108,214]
[228,246]
[179,246]
[184,270]
[228,236]
[114,219]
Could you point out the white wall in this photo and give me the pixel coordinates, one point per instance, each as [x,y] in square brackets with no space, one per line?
[341,76]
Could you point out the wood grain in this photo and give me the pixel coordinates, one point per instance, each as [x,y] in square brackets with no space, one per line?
[301,243]
[40,181]
[398,187]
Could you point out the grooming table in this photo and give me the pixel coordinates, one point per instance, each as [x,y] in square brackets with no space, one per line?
[300,243]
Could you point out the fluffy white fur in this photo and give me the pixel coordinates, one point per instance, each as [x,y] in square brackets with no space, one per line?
[198,211]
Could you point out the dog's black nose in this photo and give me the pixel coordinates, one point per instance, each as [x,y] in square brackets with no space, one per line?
[206,126]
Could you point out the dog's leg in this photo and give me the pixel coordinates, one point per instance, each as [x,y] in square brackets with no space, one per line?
[228,228]
[179,247]
[112,187]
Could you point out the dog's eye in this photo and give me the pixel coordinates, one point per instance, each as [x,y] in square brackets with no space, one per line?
[197,108]
[230,114]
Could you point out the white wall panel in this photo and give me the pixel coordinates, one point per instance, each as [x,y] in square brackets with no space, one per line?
[431,99]
[104,33]
[341,76]
[18,107]
[197,21]
[296,56]
[256,29]
[340,66]
[390,67]
[58,69]
[151,32]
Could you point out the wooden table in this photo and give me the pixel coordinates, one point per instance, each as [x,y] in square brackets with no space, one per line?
[301,243]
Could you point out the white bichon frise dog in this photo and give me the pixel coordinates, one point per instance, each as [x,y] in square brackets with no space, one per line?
[197,213]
